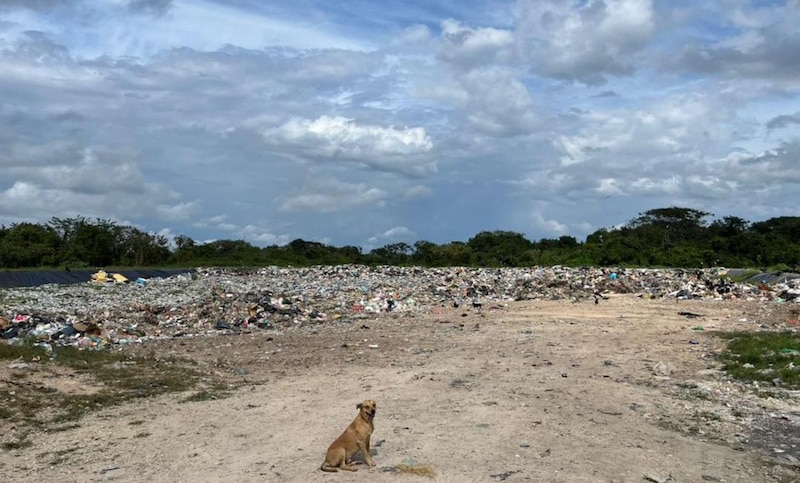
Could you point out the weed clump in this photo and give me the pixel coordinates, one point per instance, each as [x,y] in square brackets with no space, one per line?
[772,357]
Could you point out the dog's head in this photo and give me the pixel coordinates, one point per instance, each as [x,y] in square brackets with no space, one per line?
[368,408]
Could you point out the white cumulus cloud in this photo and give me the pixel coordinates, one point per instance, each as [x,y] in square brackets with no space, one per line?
[404,150]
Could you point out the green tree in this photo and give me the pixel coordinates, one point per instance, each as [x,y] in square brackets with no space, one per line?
[139,249]
[28,245]
[424,253]
[392,254]
[93,243]
[668,227]
[498,248]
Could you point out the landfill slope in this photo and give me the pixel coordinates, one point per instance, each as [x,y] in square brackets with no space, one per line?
[539,374]
[543,390]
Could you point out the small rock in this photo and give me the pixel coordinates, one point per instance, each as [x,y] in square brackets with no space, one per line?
[791,459]
[663,369]
[658,478]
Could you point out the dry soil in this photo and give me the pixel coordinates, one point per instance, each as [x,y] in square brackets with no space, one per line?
[624,391]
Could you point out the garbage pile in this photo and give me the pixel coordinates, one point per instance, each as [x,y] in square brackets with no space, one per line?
[213,301]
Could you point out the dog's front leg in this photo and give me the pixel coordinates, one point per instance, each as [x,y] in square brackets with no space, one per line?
[364,447]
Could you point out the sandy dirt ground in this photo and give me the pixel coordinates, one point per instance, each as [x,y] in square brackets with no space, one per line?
[623,391]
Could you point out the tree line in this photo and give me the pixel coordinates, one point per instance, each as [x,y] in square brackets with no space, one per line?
[668,237]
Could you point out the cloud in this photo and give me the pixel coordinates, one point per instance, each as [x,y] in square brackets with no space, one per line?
[400,150]
[333,195]
[93,173]
[414,35]
[397,233]
[764,44]
[151,7]
[583,41]
[782,121]
[280,120]
[491,100]
[756,171]
[35,4]
[498,103]
[606,94]
[179,212]
[549,227]
[262,236]
[417,191]
[25,200]
[468,47]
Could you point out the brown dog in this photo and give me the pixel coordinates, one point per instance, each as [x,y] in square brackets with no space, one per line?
[354,439]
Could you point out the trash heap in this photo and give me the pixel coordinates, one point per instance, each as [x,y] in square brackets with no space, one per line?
[213,301]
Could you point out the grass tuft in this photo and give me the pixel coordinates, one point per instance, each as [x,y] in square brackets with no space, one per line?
[207,395]
[18,444]
[113,377]
[772,357]
[418,470]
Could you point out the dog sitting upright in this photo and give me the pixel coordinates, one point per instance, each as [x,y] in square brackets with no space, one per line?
[355,439]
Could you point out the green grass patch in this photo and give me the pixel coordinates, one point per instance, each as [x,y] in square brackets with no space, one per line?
[207,395]
[763,356]
[111,377]
[17,444]
[26,351]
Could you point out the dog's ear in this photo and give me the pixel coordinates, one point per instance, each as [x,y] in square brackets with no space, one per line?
[358,406]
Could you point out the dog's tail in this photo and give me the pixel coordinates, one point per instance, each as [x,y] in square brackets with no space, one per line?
[326,467]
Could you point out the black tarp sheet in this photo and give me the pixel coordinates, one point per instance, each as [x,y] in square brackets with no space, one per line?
[34,278]
[766,277]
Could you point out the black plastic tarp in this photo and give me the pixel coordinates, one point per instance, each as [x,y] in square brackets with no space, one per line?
[765,277]
[35,278]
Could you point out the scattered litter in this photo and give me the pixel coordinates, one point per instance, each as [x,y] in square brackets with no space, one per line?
[110,311]
[505,475]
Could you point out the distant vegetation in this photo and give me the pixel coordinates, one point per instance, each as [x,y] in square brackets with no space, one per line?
[668,237]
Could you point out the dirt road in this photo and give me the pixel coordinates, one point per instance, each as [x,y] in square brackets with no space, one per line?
[623,391]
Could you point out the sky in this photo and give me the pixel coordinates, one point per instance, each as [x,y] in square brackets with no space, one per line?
[366,122]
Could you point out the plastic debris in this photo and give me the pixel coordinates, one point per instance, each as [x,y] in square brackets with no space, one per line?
[214,301]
